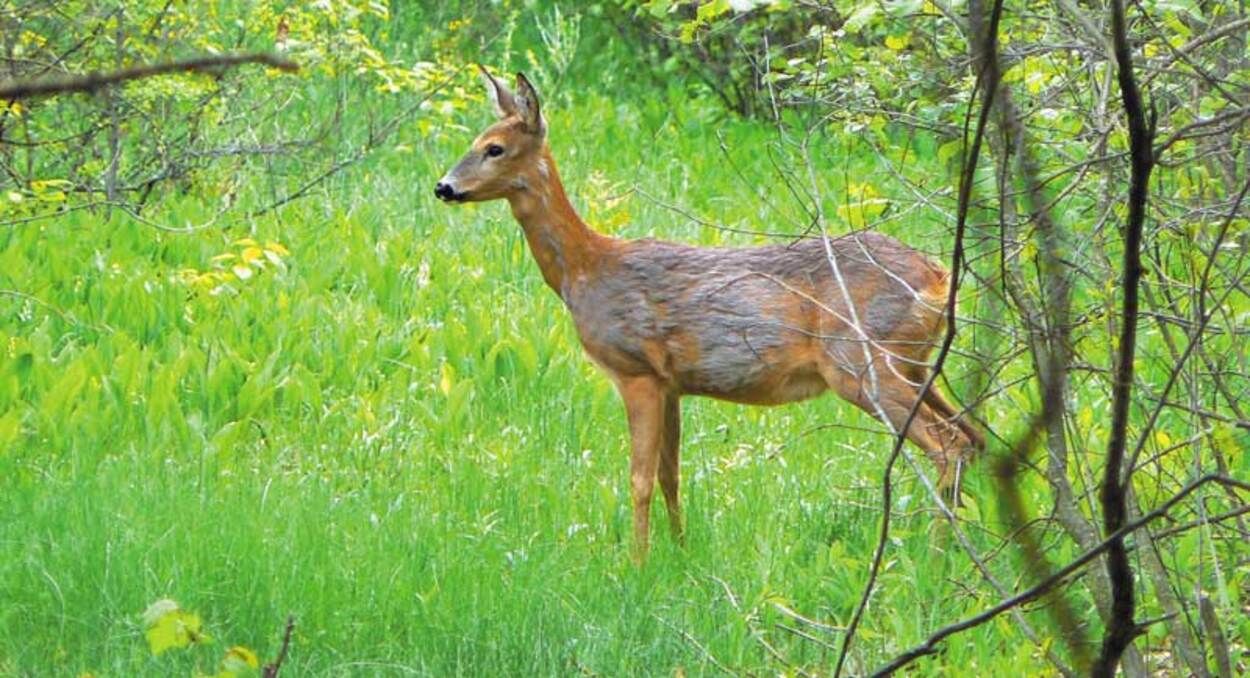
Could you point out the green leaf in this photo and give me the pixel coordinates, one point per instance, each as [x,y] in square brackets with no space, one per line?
[904,8]
[63,395]
[527,356]
[860,17]
[1189,7]
[659,8]
[950,149]
[10,428]
[711,10]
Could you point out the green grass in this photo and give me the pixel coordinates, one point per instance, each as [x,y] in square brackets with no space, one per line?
[396,439]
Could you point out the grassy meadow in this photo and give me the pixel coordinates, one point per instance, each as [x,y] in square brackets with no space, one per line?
[390,432]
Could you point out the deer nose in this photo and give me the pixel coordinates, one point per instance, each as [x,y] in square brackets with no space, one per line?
[444,191]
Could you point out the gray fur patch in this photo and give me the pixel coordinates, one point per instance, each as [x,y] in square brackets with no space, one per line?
[725,306]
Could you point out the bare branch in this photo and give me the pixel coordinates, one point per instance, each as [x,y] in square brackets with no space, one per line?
[271,670]
[1121,630]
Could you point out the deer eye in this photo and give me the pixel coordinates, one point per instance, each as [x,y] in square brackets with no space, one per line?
[494,151]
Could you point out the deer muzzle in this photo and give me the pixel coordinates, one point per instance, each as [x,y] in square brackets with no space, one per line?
[446,192]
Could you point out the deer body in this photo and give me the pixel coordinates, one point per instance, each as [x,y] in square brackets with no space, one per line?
[766,325]
[753,325]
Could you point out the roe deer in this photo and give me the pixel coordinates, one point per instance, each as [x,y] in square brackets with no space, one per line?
[858,314]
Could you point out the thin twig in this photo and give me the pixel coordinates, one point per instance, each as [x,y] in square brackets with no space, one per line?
[271,669]
[707,654]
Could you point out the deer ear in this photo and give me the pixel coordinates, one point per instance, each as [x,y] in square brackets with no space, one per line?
[527,106]
[502,98]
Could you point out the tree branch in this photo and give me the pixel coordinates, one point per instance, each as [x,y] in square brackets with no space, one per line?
[271,670]
[92,82]
[1120,628]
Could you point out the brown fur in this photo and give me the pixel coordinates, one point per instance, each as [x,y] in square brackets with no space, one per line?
[858,314]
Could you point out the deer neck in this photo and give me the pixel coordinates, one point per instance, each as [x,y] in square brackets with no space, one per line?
[562,244]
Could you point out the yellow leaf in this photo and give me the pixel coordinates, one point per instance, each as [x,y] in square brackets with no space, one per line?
[251,254]
[862,205]
[44,184]
[277,248]
[897,42]
[169,626]
[447,380]
[859,190]
[239,659]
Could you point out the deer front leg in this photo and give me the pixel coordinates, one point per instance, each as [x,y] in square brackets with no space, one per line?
[644,403]
[670,466]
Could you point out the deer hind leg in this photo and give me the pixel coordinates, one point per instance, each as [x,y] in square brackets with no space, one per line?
[950,413]
[918,374]
[955,447]
[644,404]
[944,443]
[670,467]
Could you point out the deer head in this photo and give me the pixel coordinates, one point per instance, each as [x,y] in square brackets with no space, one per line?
[503,159]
